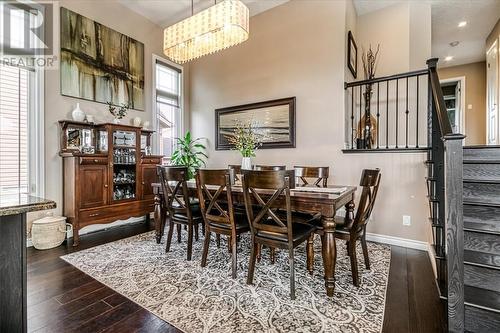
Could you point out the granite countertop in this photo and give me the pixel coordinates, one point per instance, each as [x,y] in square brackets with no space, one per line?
[12,204]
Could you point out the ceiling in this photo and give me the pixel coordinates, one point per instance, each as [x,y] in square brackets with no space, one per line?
[168,12]
[481,16]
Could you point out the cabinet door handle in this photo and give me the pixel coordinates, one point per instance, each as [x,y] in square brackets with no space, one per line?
[96,161]
[143,183]
[93,215]
[106,185]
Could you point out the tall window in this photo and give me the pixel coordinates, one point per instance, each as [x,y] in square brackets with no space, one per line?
[168,114]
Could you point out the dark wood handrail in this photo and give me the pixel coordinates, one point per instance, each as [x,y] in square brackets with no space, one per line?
[386,78]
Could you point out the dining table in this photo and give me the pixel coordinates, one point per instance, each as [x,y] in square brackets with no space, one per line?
[324,200]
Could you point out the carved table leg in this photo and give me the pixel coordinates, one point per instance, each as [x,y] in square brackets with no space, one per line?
[158,218]
[329,253]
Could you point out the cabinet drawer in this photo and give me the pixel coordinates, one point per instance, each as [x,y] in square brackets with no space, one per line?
[151,160]
[98,213]
[93,160]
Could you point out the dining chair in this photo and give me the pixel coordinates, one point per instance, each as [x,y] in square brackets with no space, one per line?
[354,229]
[182,209]
[267,227]
[319,174]
[237,170]
[218,211]
[269,167]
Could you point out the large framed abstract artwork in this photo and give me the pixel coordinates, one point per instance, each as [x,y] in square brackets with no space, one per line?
[99,63]
[273,120]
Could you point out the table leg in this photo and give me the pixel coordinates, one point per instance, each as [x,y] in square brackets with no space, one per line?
[329,252]
[158,213]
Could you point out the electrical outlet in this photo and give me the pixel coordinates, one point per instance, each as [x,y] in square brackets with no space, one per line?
[406,220]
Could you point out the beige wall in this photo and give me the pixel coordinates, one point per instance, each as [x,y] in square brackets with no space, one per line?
[298,49]
[475,96]
[57,107]
[493,36]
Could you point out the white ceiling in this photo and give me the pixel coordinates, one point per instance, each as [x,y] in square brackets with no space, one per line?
[168,12]
[481,16]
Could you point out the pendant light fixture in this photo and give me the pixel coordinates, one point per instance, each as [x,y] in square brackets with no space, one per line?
[223,25]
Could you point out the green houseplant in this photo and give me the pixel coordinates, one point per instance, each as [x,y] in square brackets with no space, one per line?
[246,140]
[189,153]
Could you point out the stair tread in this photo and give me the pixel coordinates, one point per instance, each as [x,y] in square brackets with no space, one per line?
[492,227]
[479,202]
[481,181]
[482,298]
[482,259]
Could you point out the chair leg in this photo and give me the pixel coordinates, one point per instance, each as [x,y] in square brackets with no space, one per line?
[347,248]
[190,242]
[310,254]
[229,242]
[365,251]
[354,262]
[292,274]
[259,251]
[179,228]
[251,265]
[169,235]
[234,257]
[273,255]
[196,235]
[203,228]
[206,244]
[217,240]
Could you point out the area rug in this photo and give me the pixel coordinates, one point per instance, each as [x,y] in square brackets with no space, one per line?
[196,299]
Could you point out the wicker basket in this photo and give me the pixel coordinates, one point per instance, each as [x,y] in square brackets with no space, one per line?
[49,232]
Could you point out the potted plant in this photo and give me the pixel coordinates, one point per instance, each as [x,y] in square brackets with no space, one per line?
[189,153]
[246,140]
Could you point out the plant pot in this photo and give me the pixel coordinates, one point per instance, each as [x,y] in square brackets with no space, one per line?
[246,163]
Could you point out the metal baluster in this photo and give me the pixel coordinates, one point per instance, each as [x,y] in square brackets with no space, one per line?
[378,114]
[397,109]
[407,113]
[387,117]
[352,117]
[360,107]
[416,144]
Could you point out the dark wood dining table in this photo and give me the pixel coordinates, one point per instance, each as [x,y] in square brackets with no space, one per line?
[301,200]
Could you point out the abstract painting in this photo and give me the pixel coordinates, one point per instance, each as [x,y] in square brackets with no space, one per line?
[99,63]
[274,121]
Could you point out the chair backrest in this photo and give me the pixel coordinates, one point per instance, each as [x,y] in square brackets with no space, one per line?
[278,182]
[210,198]
[370,181]
[173,181]
[319,174]
[269,167]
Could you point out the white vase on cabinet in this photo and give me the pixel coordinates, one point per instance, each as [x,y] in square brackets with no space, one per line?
[78,114]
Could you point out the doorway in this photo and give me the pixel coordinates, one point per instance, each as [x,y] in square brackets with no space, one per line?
[492,95]
[454,101]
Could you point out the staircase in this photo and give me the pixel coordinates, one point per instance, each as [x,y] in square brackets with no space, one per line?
[481,209]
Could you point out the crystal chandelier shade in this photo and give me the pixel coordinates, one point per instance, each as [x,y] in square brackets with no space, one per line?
[213,29]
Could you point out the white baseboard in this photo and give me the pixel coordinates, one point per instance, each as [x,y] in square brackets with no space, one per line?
[397,241]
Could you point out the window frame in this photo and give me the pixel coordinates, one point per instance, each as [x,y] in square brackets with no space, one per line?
[154,117]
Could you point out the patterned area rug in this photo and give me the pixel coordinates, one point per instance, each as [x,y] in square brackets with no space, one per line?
[196,299]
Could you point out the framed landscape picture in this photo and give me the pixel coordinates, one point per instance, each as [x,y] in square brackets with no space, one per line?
[100,64]
[352,55]
[273,120]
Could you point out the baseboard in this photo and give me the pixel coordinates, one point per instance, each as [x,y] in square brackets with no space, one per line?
[397,241]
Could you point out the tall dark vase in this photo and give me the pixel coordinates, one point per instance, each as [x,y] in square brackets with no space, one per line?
[367,125]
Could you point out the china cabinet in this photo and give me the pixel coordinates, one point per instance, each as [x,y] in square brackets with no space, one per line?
[108,170]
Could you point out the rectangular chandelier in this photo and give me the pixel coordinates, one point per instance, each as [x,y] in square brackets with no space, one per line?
[216,28]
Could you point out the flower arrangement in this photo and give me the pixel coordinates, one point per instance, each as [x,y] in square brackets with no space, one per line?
[245,139]
[120,112]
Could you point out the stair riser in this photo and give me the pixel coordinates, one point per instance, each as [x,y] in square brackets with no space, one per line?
[482,171]
[482,277]
[481,321]
[486,193]
[473,213]
[482,154]
[482,242]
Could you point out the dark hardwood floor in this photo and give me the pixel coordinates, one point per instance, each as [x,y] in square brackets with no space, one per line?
[63,299]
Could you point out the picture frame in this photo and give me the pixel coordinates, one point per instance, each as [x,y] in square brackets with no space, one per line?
[352,55]
[275,119]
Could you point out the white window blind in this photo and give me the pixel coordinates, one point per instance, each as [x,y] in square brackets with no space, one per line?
[14,108]
[168,106]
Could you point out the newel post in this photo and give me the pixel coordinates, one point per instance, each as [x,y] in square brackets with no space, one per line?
[453,162]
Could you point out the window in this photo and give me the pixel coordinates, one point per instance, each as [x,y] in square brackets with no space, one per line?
[21,122]
[168,98]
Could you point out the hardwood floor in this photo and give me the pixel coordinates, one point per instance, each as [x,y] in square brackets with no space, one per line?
[63,299]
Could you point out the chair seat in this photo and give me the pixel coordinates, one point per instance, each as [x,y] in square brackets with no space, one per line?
[240,220]
[300,232]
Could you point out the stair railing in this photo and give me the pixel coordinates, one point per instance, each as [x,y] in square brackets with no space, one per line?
[446,156]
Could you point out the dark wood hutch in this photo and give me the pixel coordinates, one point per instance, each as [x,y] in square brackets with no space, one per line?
[108,170]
